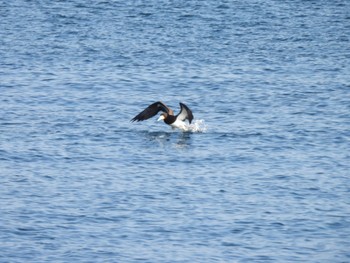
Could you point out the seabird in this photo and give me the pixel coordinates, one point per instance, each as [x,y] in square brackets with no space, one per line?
[167,116]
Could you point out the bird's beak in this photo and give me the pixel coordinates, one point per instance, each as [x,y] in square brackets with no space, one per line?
[161,117]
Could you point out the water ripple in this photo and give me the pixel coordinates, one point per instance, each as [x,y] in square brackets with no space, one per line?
[261,175]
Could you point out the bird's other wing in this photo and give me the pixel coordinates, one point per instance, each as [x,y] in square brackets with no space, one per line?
[185,113]
[151,111]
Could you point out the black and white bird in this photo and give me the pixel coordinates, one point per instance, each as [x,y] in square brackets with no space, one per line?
[175,121]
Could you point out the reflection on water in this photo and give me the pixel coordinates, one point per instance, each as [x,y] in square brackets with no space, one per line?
[165,139]
[184,140]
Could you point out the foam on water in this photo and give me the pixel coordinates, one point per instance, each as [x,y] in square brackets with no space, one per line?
[197,126]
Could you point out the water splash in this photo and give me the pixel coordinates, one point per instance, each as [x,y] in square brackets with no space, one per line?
[196,126]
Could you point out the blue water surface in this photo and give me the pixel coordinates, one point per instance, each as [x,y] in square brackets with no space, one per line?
[266,178]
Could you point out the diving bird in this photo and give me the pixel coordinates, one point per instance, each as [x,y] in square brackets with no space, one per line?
[175,121]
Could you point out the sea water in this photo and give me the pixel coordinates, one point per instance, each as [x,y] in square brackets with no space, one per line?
[262,176]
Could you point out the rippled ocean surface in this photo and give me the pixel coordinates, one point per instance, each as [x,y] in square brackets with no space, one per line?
[266,180]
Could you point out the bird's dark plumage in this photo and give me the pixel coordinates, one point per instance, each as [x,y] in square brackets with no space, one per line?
[185,113]
[167,115]
[151,111]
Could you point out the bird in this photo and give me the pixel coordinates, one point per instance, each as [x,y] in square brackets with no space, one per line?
[175,121]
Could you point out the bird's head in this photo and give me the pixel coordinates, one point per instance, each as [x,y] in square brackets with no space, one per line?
[162,116]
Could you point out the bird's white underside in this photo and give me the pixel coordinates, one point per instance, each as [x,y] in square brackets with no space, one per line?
[179,125]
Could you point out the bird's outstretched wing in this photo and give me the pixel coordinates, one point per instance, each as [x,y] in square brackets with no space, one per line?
[185,113]
[151,111]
